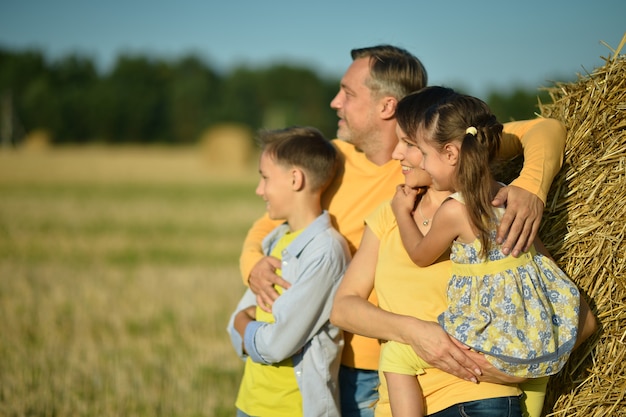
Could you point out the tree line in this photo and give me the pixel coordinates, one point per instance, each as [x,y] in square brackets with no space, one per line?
[143,99]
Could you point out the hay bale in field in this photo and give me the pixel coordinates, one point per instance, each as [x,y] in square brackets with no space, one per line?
[584,227]
[36,141]
[228,147]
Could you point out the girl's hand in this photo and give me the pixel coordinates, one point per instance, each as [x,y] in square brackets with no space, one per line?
[403,201]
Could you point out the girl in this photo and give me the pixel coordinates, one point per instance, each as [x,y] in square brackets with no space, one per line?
[522,313]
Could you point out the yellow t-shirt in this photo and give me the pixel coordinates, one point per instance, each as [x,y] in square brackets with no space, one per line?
[404,288]
[363,186]
[270,390]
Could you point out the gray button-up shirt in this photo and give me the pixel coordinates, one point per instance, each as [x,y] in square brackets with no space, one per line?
[313,263]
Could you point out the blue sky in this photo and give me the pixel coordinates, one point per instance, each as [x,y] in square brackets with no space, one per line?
[477,45]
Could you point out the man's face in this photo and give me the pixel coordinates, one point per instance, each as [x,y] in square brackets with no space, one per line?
[355,105]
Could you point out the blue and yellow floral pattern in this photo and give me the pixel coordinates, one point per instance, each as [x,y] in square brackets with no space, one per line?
[521,312]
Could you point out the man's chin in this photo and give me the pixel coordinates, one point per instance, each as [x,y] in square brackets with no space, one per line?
[342,136]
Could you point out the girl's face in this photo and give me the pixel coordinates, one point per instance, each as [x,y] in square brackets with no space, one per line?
[274,187]
[410,159]
[436,163]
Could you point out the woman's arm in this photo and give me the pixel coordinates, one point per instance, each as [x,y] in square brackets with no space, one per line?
[353,313]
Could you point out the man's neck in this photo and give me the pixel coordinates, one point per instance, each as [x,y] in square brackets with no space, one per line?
[378,149]
[379,153]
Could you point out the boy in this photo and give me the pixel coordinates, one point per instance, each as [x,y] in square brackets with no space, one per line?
[293,354]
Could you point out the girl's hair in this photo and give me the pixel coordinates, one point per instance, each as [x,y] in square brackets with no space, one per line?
[305,148]
[411,109]
[469,121]
[393,71]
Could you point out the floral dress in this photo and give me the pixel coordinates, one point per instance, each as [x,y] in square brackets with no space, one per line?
[521,312]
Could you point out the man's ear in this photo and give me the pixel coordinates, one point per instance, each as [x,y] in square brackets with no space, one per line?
[452,152]
[297,179]
[389,105]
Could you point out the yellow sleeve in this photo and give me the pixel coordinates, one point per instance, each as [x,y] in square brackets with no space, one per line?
[252,250]
[543,144]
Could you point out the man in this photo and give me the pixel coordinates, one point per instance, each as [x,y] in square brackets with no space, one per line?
[376,80]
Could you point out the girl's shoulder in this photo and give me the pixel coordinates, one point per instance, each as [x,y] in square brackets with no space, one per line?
[452,207]
[497,186]
[456,196]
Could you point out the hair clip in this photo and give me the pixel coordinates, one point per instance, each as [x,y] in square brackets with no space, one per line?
[471,130]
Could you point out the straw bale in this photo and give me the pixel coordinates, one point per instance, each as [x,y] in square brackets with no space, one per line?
[584,227]
[228,147]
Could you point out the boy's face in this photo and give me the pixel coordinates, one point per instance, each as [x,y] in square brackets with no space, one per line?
[275,187]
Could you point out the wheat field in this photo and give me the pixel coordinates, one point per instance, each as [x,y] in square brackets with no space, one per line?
[118,270]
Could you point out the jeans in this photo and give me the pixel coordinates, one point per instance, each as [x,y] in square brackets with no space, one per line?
[358,389]
[491,407]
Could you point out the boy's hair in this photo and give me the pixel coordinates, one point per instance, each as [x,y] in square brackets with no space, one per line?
[393,71]
[469,121]
[305,148]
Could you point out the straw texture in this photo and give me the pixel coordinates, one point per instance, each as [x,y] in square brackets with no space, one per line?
[584,227]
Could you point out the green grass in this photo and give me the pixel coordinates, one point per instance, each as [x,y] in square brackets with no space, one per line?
[114,292]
